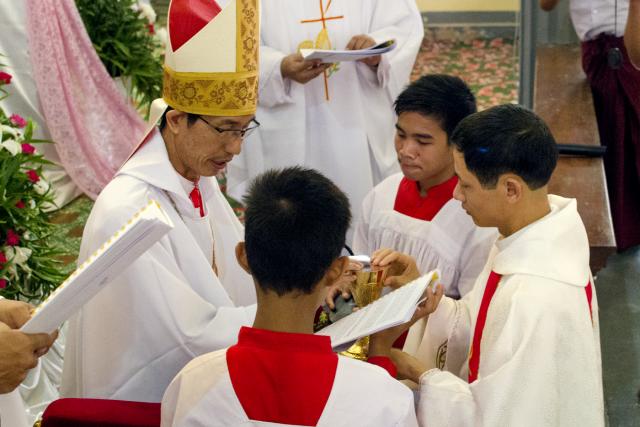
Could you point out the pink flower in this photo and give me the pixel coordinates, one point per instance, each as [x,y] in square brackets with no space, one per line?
[18,120]
[12,238]
[33,175]
[151,28]
[3,283]
[5,77]
[3,258]
[28,149]
[20,204]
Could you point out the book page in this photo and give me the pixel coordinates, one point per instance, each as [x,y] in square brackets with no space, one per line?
[143,230]
[331,56]
[393,309]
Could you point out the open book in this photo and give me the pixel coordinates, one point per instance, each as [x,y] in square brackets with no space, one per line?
[331,56]
[144,229]
[393,309]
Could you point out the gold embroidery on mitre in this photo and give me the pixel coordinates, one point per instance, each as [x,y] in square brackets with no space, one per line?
[247,36]
[211,94]
[222,94]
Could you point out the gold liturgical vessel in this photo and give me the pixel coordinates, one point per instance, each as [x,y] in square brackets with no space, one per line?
[366,288]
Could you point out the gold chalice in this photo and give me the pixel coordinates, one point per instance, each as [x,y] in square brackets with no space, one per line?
[365,289]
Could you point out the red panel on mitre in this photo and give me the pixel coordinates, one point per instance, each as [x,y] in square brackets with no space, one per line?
[188,17]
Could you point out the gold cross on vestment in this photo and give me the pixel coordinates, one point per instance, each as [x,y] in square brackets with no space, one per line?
[323,18]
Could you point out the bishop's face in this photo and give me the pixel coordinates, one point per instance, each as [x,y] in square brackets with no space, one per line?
[422,147]
[205,146]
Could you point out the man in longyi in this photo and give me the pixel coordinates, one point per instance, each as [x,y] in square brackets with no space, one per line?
[186,295]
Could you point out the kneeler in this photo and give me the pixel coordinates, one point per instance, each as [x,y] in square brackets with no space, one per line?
[101,412]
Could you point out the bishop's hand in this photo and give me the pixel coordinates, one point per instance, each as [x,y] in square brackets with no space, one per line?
[296,68]
[14,314]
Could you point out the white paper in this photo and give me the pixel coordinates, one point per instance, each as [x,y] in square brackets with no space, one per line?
[144,229]
[331,56]
[393,309]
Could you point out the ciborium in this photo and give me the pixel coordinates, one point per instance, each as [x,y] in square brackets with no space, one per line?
[366,288]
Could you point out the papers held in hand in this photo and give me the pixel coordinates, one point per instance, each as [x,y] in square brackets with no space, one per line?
[393,309]
[330,56]
[144,229]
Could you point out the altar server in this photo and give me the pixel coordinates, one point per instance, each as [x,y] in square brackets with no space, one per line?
[279,373]
[186,295]
[414,211]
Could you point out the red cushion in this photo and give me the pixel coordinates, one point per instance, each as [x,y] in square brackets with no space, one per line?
[101,412]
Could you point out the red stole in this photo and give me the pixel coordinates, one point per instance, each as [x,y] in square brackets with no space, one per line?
[489,291]
[409,201]
[196,198]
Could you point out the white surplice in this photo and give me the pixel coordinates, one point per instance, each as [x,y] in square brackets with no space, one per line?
[540,351]
[451,242]
[350,137]
[361,394]
[168,306]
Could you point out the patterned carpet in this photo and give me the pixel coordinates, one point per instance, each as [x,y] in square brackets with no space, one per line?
[489,66]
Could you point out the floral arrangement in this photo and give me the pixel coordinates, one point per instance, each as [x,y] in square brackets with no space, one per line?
[130,46]
[28,266]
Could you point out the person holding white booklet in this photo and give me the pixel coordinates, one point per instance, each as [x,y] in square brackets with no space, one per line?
[186,295]
[525,341]
[279,373]
[336,119]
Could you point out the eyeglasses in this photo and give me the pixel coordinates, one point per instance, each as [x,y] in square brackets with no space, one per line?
[234,133]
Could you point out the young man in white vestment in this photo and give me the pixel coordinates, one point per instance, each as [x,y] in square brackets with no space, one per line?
[414,212]
[186,295]
[334,119]
[279,373]
[526,339]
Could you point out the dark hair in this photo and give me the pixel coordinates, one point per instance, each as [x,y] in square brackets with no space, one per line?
[191,118]
[296,221]
[447,98]
[507,139]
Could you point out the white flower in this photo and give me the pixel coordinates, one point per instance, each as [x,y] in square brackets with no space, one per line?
[41,187]
[161,36]
[18,255]
[14,132]
[11,145]
[147,11]
[32,203]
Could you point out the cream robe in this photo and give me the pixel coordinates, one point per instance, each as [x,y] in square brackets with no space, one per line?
[540,351]
[350,137]
[362,395]
[451,242]
[168,306]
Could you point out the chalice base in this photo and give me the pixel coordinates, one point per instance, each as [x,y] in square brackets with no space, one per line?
[359,350]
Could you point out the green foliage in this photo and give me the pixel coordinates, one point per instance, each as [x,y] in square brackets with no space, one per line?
[124,41]
[29,269]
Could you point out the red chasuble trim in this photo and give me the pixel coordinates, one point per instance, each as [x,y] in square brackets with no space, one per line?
[282,377]
[589,293]
[409,202]
[188,17]
[489,291]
